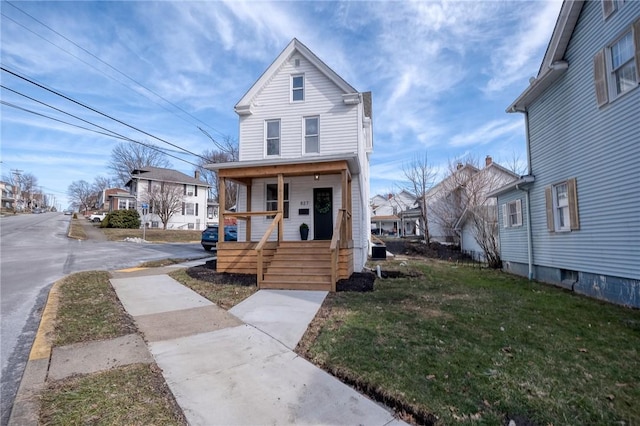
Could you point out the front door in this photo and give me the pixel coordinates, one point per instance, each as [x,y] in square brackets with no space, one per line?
[322,213]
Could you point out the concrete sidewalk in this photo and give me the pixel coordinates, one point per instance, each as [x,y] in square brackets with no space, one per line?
[238,367]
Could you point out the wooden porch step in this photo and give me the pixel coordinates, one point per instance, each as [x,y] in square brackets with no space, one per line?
[282,268]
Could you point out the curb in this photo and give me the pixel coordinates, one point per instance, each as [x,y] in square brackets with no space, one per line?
[26,405]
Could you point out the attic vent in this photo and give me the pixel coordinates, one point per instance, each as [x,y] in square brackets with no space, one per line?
[296,62]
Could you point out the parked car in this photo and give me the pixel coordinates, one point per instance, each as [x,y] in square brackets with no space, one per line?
[68,212]
[97,217]
[209,238]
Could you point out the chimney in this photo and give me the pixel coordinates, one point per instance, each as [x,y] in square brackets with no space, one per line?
[197,174]
[389,196]
[459,166]
[488,160]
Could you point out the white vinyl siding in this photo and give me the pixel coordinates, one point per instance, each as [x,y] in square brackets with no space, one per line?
[339,123]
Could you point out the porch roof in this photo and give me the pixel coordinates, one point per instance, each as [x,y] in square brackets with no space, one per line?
[326,164]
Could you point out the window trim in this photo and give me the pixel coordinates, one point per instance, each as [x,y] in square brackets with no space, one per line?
[603,72]
[553,222]
[316,135]
[507,215]
[295,89]
[266,137]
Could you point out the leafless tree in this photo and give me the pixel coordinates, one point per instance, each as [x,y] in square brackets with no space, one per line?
[126,157]
[100,183]
[81,194]
[165,200]
[419,175]
[226,151]
[464,191]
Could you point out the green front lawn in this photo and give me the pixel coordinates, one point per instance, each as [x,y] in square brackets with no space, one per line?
[459,344]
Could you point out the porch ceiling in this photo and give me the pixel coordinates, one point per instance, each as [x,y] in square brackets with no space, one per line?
[244,171]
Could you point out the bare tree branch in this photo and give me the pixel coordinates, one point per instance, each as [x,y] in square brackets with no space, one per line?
[420,175]
[127,157]
[165,200]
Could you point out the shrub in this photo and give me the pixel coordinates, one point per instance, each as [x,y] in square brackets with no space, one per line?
[124,219]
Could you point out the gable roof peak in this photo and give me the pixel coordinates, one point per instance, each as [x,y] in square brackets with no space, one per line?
[243,107]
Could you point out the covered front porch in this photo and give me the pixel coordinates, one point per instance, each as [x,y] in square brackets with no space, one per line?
[274,200]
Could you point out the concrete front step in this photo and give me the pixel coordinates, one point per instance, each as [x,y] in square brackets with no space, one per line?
[298,285]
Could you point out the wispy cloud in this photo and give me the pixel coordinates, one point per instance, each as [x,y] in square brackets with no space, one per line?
[486,133]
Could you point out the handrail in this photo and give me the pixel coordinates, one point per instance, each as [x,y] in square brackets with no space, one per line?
[276,221]
[335,248]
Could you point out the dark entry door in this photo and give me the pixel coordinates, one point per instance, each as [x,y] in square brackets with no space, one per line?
[322,213]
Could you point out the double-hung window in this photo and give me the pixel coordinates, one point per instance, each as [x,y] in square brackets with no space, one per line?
[616,67]
[297,88]
[562,206]
[311,135]
[272,199]
[272,130]
[623,70]
[512,214]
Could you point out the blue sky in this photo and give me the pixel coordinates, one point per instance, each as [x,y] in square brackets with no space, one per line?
[441,73]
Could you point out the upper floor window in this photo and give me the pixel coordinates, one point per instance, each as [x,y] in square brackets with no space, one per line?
[562,206]
[273,137]
[190,190]
[297,88]
[615,67]
[311,135]
[623,66]
[610,6]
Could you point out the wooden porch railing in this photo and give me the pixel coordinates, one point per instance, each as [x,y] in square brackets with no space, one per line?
[339,235]
[277,221]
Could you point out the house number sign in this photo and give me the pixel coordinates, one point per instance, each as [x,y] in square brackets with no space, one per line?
[304,203]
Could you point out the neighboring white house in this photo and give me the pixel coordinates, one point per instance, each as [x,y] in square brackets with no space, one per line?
[190,197]
[461,196]
[386,214]
[304,147]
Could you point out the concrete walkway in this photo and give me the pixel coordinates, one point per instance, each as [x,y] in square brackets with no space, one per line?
[238,367]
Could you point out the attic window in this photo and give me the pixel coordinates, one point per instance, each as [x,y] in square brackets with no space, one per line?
[297,88]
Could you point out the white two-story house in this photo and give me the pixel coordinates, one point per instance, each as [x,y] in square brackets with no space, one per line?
[155,189]
[304,146]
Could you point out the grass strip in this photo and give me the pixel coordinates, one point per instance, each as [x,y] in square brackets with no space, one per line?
[131,395]
[456,344]
[224,295]
[89,310]
[76,230]
[153,235]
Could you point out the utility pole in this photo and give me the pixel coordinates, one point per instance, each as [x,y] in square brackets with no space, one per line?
[18,177]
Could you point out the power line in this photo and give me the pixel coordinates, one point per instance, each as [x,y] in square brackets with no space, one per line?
[107,64]
[97,111]
[110,133]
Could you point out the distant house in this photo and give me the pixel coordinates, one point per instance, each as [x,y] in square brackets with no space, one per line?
[8,196]
[304,147]
[116,199]
[460,196]
[386,214]
[574,220]
[186,194]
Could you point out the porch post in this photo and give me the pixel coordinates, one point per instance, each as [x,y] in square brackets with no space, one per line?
[248,221]
[222,184]
[281,206]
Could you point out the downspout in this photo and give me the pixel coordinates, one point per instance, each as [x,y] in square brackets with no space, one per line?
[528,197]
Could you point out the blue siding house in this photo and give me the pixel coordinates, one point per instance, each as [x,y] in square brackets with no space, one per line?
[574,220]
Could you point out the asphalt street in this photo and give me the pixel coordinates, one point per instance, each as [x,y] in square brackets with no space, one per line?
[34,253]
